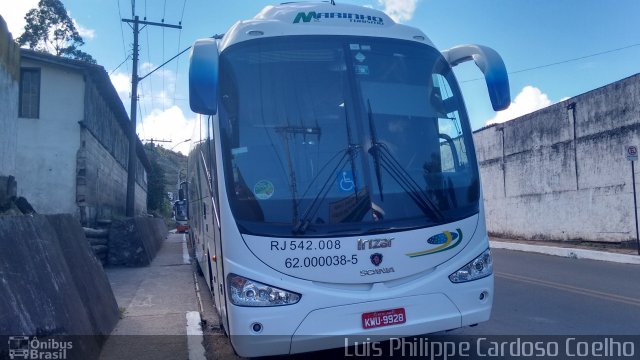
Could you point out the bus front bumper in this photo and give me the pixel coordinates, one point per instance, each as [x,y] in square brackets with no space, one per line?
[340,326]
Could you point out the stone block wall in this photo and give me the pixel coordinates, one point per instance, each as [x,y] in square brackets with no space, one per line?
[102,182]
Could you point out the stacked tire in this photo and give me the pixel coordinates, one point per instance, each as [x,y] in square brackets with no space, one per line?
[98,240]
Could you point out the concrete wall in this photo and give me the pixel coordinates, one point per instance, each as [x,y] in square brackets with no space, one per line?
[9,75]
[560,173]
[101,121]
[46,166]
[52,284]
[102,182]
[103,162]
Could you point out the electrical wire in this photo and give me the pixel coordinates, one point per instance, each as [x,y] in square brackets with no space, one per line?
[146,30]
[164,92]
[562,61]
[141,121]
[124,47]
[117,67]
[175,83]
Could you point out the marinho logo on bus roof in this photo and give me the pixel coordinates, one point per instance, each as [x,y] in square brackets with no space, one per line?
[306,17]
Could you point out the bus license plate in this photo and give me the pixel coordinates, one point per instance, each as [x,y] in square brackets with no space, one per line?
[383,318]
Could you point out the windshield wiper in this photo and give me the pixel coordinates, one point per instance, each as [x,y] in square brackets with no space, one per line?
[350,153]
[300,227]
[382,158]
[375,149]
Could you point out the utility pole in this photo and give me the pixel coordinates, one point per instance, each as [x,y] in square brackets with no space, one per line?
[131,168]
[152,140]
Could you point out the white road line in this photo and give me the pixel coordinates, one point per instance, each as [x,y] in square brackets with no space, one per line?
[195,281]
[194,336]
[185,251]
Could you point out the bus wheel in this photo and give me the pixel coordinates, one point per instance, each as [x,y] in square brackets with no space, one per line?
[199,269]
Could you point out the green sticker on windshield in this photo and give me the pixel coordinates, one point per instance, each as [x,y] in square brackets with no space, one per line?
[361,69]
[263,189]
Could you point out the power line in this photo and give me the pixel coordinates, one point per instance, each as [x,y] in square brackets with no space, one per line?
[124,47]
[184,5]
[165,63]
[144,107]
[175,83]
[117,67]
[141,122]
[561,62]
[148,52]
[164,91]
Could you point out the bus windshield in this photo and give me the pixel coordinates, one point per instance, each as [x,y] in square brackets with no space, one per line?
[336,135]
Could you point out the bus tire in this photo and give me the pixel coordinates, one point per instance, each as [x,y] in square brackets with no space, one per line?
[199,269]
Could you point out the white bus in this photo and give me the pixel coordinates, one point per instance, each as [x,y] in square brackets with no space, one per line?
[333,184]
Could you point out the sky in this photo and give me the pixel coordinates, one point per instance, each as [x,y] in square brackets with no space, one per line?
[530,35]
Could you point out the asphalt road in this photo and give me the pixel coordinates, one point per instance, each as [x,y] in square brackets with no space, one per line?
[538,295]
[550,295]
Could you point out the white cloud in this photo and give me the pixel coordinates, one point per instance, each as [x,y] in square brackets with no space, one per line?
[170,124]
[122,83]
[528,100]
[13,13]
[157,89]
[399,10]
[146,67]
[86,33]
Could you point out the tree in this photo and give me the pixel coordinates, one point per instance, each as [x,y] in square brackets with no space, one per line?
[156,196]
[50,29]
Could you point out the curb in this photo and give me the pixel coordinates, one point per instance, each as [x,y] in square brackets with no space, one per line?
[568,252]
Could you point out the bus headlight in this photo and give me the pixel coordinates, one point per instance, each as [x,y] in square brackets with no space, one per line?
[246,292]
[480,267]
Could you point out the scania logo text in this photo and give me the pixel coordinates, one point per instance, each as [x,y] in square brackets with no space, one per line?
[377,271]
[373,244]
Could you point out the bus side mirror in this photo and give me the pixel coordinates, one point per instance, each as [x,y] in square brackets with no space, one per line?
[203,77]
[491,65]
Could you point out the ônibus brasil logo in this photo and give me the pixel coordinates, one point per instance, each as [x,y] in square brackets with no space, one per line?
[26,347]
[349,17]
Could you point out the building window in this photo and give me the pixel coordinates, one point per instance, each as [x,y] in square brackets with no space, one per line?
[29,93]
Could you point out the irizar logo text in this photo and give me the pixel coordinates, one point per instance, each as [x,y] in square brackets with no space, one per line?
[349,17]
[374,243]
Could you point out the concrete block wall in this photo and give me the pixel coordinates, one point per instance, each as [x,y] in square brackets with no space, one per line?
[560,173]
[102,182]
[9,77]
[103,124]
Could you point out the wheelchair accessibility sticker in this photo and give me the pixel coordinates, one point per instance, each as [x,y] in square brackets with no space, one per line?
[345,181]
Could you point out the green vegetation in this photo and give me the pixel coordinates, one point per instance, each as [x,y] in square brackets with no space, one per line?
[50,29]
[163,178]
